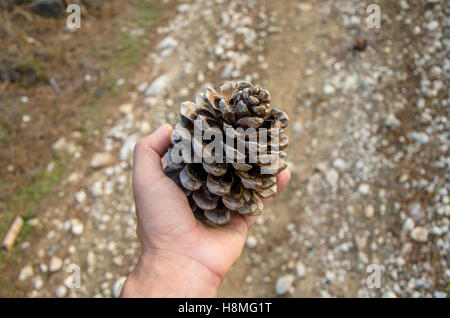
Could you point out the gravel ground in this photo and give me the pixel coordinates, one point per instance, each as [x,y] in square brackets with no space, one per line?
[368,152]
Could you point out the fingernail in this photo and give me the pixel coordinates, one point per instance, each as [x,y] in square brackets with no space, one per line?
[164,128]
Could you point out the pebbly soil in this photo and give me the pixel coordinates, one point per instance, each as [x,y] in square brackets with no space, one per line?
[368,152]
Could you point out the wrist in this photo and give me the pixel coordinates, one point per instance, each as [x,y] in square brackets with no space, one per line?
[167,275]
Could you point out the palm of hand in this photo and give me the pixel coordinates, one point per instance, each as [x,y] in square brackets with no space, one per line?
[166,224]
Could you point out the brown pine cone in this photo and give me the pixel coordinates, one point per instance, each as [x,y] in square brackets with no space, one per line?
[232,171]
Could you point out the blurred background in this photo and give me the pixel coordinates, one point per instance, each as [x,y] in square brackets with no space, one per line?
[369,138]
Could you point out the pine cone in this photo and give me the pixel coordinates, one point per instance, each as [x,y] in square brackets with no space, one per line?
[218,183]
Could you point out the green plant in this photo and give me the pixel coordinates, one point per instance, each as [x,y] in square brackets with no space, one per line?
[128,53]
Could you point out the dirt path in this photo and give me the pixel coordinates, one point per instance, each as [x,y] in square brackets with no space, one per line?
[364,191]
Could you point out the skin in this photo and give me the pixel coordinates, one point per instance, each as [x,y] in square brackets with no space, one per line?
[181,256]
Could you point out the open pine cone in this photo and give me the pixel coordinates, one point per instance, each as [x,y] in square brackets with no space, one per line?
[217,183]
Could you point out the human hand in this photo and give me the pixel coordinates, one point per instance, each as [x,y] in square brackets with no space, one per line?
[181,256]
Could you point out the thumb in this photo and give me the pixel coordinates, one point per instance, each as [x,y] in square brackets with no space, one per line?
[147,167]
[161,206]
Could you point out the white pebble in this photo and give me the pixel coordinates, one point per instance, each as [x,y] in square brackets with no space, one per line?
[364,188]
[370,211]
[38,282]
[419,234]
[251,242]
[61,292]
[26,273]
[392,121]
[329,89]
[117,287]
[283,284]
[77,227]
[332,177]
[301,269]
[408,225]
[80,196]
[55,264]
[432,25]
[339,164]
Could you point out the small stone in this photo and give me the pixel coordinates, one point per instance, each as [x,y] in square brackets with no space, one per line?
[200,77]
[370,211]
[184,92]
[59,144]
[332,177]
[283,284]
[55,264]
[97,188]
[416,211]
[392,121]
[404,5]
[127,148]
[432,25]
[297,127]
[364,189]
[117,287]
[80,196]
[211,66]
[304,6]
[77,227]
[417,30]
[419,234]
[101,159]
[48,8]
[137,32]
[144,127]
[389,294]
[439,294]
[51,166]
[71,281]
[290,227]
[436,71]
[329,89]
[408,225]
[167,43]
[74,177]
[406,249]
[330,276]
[26,118]
[419,137]
[339,164]
[61,291]
[361,242]
[90,258]
[26,273]
[158,86]
[251,242]
[38,282]
[142,87]
[301,269]
[126,108]
[219,50]
[363,257]
[43,268]
[63,145]
[183,7]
